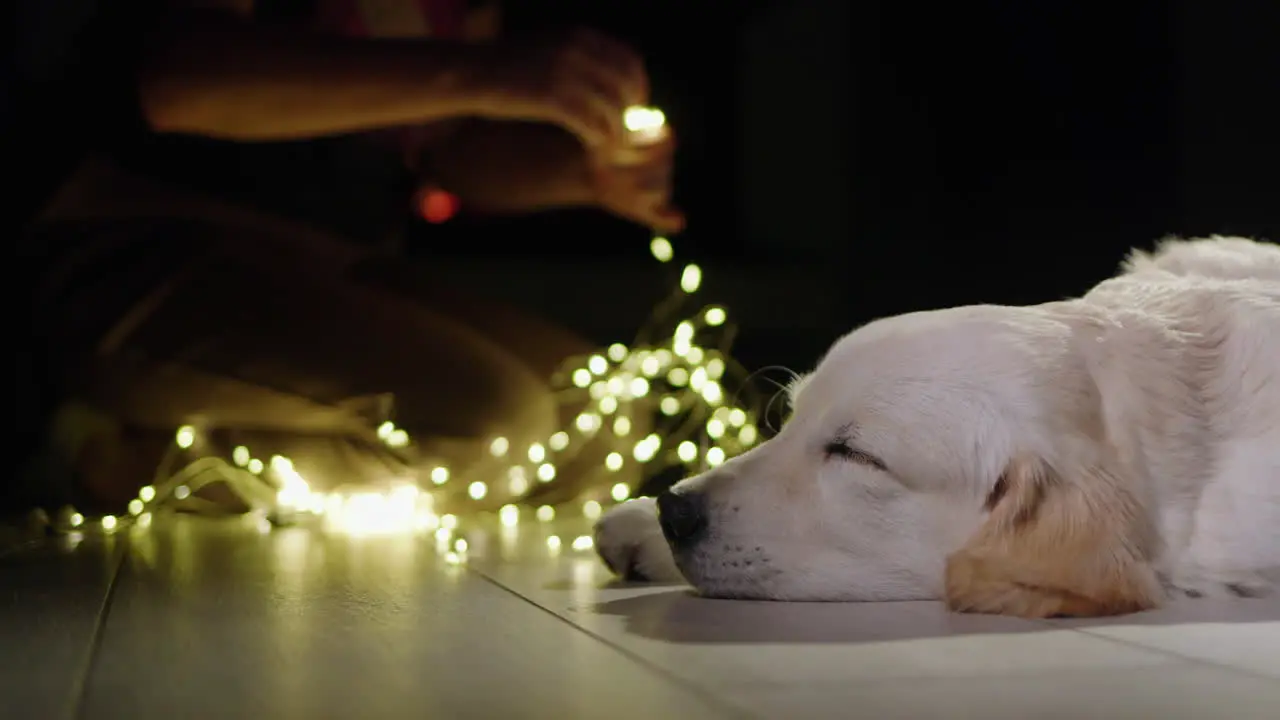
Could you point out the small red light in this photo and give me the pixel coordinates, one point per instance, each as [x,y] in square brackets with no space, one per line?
[437,206]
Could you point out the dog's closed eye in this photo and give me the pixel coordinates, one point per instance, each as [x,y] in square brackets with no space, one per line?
[843,449]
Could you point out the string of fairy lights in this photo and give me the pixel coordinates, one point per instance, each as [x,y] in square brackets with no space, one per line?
[670,381]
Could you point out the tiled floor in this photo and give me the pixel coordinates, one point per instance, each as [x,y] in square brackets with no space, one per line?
[208,619]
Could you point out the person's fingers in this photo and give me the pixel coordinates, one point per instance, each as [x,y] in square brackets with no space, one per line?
[622,64]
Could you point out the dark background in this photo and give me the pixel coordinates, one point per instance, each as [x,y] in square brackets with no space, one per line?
[841,161]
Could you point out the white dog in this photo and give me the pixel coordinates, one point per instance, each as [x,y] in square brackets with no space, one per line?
[1082,457]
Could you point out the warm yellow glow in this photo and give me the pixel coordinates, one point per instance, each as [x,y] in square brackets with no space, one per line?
[240,456]
[144,520]
[691,278]
[453,558]
[687,451]
[499,447]
[582,542]
[598,390]
[537,453]
[715,428]
[76,519]
[182,492]
[546,472]
[255,466]
[398,438]
[440,475]
[517,480]
[620,492]
[622,426]
[477,490]
[449,522]
[639,387]
[613,461]
[651,366]
[661,249]
[715,456]
[546,513]
[608,405]
[109,522]
[553,542]
[185,437]
[647,448]
[669,405]
[678,377]
[737,417]
[597,364]
[747,435]
[617,352]
[693,354]
[588,422]
[715,316]
[460,545]
[591,509]
[385,430]
[712,392]
[559,441]
[509,515]
[443,534]
[135,507]
[581,377]
[640,119]
[146,493]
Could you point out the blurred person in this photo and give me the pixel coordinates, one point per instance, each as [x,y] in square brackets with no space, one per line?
[227,258]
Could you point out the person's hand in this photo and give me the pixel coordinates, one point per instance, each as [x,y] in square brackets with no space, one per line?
[635,183]
[582,81]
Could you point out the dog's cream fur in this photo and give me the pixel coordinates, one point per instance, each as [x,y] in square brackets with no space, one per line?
[1082,457]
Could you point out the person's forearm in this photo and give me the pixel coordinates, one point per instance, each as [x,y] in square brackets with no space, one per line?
[221,77]
[502,167]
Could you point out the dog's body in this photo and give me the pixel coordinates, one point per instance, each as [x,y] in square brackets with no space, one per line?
[1080,457]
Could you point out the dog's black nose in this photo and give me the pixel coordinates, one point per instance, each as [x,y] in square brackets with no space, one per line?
[683,517]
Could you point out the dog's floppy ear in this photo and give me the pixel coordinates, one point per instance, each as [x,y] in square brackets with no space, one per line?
[1055,545]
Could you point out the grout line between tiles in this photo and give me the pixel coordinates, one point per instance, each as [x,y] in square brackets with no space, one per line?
[80,688]
[1162,651]
[699,692]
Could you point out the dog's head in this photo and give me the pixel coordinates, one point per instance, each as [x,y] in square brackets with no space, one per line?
[958,453]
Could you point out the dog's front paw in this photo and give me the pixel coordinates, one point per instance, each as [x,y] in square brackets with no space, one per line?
[1199,582]
[629,540]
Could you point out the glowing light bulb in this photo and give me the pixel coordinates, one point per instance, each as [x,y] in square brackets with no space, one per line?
[747,435]
[385,429]
[255,466]
[182,492]
[440,475]
[453,558]
[517,481]
[499,447]
[608,405]
[643,120]
[553,543]
[647,448]
[546,472]
[240,456]
[691,278]
[715,316]
[620,492]
[617,352]
[109,522]
[715,456]
[147,493]
[622,426]
[613,461]
[398,438]
[694,355]
[678,377]
[477,490]
[537,453]
[545,513]
[597,364]
[661,249]
[639,387]
[669,405]
[559,441]
[135,507]
[581,377]
[715,368]
[509,515]
[443,534]
[460,545]
[737,417]
[75,519]
[449,522]
[588,422]
[715,428]
[591,509]
[713,393]
[687,451]
[582,542]
[651,366]
[185,437]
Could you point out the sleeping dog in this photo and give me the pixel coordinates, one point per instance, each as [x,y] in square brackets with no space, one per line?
[1083,457]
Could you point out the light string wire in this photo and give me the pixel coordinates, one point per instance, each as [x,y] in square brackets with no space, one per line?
[673,375]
